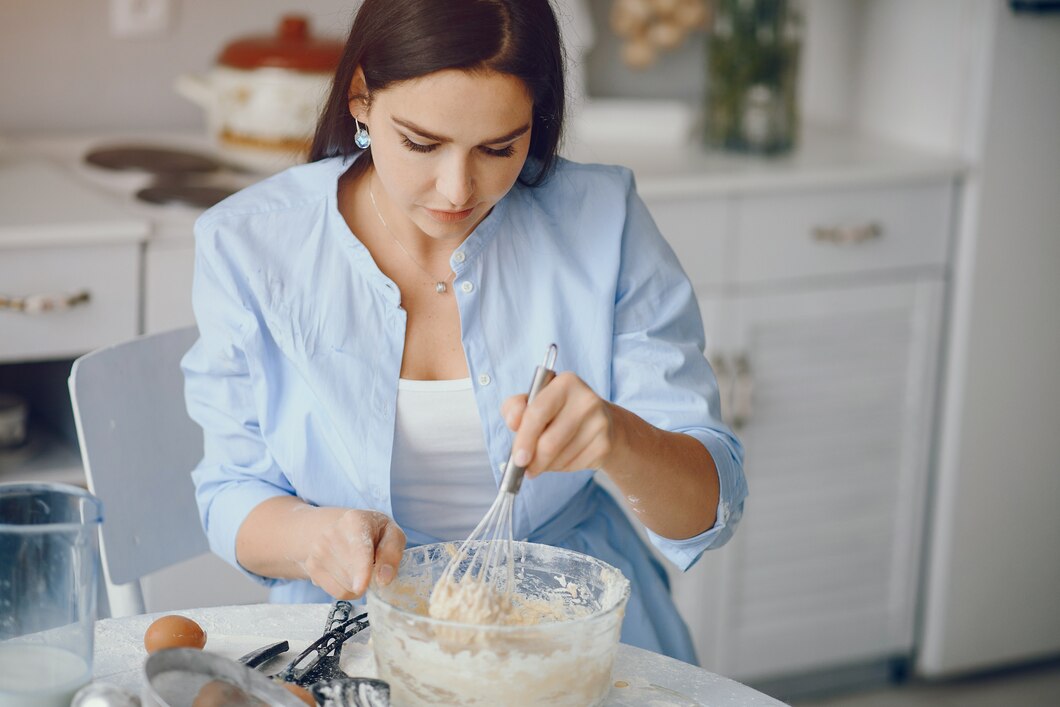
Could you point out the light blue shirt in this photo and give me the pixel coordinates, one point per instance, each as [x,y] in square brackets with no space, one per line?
[294,378]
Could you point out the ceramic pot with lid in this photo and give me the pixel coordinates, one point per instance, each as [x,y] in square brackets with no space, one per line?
[263,96]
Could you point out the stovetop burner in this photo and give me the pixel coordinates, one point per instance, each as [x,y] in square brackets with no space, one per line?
[180,176]
[155,160]
[188,194]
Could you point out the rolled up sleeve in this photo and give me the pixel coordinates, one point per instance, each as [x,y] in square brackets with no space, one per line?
[237,471]
[660,371]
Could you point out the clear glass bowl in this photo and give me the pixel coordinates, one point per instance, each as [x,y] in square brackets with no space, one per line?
[564,660]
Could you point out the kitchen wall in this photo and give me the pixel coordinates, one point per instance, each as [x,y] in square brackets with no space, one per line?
[74,76]
[915,78]
[826,88]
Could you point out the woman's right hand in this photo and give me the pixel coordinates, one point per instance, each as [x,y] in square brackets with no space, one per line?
[349,547]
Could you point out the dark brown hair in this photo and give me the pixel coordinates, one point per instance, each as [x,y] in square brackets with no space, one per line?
[399,40]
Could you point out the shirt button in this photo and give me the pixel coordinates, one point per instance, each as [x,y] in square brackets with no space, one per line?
[467,287]
[500,467]
[484,379]
[458,256]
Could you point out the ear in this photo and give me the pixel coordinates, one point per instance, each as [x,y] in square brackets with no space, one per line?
[358,95]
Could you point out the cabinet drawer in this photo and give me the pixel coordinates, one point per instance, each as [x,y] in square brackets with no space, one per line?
[108,274]
[839,232]
[695,229]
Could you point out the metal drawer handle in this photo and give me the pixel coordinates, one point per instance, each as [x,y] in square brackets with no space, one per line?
[39,304]
[847,235]
[724,377]
[742,393]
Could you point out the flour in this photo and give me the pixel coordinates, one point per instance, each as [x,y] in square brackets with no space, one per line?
[481,604]
[470,602]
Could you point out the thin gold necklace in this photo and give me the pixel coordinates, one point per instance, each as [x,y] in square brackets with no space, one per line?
[440,285]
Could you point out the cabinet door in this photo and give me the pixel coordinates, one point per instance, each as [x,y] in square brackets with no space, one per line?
[823,570]
[167,285]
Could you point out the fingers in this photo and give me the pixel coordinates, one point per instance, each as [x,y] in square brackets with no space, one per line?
[554,441]
[512,410]
[585,450]
[345,555]
[322,575]
[388,552]
[341,559]
[321,569]
[566,428]
[358,552]
[533,419]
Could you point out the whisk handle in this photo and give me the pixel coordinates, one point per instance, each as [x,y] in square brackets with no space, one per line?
[513,473]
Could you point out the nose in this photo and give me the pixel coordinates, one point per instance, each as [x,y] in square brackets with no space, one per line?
[455,182]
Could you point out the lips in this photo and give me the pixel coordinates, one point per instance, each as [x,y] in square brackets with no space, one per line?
[449,216]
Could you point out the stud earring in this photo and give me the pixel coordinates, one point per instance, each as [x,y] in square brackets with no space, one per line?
[361,137]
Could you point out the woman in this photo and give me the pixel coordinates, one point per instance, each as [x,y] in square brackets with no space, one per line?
[369,322]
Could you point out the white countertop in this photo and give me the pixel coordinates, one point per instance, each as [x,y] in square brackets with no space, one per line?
[824,159]
[640,677]
[41,204]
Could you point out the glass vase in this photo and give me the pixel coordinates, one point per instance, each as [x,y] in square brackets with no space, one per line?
[752,76]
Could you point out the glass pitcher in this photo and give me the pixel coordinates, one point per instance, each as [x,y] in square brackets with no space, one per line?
[49,571]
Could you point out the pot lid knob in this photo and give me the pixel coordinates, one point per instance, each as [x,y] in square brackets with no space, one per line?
[293,47]
[294,28]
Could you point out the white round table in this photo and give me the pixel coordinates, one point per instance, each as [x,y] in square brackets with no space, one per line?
[640,677]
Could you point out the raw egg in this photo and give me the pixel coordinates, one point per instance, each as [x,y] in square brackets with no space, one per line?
[301,693]
[174,631]
[219,693]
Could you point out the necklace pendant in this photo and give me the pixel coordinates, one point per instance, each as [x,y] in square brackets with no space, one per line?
[440,288]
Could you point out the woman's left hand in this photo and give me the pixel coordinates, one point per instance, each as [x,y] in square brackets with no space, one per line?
[568,427]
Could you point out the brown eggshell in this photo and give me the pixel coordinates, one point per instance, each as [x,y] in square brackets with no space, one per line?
[218,693]
[174,631]
[301,693]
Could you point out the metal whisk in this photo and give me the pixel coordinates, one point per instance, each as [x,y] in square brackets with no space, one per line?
[492,538]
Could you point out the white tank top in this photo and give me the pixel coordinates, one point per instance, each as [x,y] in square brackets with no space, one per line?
[441,483]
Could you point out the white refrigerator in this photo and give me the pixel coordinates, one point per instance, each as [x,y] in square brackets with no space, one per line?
[991,594]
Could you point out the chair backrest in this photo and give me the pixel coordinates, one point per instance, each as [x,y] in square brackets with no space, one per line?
[139,446]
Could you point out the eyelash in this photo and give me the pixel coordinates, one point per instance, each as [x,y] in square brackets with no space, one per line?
[416,147]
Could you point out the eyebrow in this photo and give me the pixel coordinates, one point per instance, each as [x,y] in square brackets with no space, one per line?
[438,138]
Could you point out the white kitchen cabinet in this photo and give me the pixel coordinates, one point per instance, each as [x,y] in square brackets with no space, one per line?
[69,265]
[92,296]
[821,279]
[823,310]
[69,283]
[168,269]
[823,570]
[696,230]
